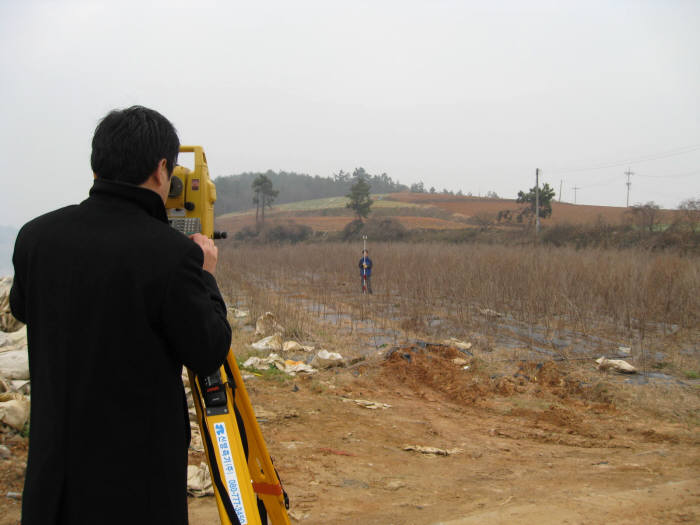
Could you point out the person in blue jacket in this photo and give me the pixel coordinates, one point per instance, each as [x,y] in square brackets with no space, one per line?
[366,271]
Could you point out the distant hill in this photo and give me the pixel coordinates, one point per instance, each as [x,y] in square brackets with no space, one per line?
[7,244]
[434,217]
[426,211]
[234,192]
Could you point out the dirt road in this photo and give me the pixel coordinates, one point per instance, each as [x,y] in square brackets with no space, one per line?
[534,456]
[536,443]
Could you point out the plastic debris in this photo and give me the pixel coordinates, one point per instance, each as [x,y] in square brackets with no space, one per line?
[196,443]
[8,323]
[432,451]
[199,481]
[22,386]
[294,367]
[262,363]
[326,359]
[293,346]
[14,364]
[287,366]
[13,340]
[372,405]
[456,343]
[272,342]
[14,409]
[617,365]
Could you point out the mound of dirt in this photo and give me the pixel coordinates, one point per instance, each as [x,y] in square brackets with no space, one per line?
[439,368]
[459,377]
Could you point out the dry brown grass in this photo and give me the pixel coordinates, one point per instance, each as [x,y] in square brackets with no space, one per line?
[649,301]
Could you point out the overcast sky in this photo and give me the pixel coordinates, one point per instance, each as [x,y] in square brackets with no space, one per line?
[459,94]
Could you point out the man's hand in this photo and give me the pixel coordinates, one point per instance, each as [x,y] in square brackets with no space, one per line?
[364,266]
[211,252]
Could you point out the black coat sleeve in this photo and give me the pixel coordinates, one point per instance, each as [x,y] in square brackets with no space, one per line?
[17,296]
[194,315]
[17,302]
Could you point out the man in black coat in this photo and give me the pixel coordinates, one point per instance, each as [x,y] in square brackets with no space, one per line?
[115,302]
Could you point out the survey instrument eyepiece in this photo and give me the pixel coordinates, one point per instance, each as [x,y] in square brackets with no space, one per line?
[191,198]
[176,187]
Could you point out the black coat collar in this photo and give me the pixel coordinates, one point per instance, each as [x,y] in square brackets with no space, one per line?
[146,199]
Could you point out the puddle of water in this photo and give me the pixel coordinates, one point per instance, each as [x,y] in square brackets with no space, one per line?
[659,375]
[656,378]
[560,344]
[651,377]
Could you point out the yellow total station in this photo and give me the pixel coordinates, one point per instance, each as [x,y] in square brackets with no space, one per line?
[190,204]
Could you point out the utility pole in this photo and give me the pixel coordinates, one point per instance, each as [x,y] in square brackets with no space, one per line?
[575,188]
[537,202]
[560,183]
[629,173]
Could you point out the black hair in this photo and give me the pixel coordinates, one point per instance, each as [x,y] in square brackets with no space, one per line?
[129,143]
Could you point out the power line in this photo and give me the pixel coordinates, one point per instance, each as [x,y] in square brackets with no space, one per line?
[671,153]
[598,184]
[609,180]
[674,176]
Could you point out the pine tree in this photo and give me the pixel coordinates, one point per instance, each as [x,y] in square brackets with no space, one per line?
[263,196]
[546,195]
[359,202]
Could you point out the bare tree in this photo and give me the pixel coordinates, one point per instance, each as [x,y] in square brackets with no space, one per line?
[646,216]
[690,209]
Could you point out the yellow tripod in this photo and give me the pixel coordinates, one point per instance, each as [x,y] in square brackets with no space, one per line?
[245,482]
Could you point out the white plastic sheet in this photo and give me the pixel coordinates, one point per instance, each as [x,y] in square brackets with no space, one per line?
[14,409]
[326,359]
[618,365]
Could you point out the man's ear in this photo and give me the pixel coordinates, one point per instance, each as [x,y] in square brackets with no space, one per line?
[162,172]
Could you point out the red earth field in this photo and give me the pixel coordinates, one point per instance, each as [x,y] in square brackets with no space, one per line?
[562,212]
[456,212]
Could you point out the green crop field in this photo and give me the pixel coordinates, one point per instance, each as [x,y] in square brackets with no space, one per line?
[340,202]
[380,201]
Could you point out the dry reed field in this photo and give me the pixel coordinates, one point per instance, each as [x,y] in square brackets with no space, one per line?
[559,301]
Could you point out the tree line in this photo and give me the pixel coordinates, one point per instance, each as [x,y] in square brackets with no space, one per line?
[236,192]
